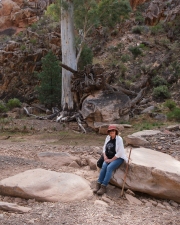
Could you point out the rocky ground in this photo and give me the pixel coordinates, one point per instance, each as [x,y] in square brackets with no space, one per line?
[18,153]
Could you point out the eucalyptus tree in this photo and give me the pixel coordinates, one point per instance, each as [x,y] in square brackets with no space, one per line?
[81,16]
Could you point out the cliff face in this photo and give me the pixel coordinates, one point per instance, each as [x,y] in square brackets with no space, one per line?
[20,58]
[21,13]
[160,9]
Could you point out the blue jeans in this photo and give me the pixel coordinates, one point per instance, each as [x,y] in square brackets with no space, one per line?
[107,169]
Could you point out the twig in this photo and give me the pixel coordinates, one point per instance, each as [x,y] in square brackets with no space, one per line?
[122,191]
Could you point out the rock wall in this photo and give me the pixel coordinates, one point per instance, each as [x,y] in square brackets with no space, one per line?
[20,13]
[20,58]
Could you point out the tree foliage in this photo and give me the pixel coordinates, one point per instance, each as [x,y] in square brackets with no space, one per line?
[112,12]
[49,89]
[92,13]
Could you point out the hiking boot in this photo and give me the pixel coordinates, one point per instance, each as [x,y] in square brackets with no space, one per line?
[102,190]
[98,186]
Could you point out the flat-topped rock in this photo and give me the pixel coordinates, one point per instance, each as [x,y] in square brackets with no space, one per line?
[151,172]
[146,133]
[137,139]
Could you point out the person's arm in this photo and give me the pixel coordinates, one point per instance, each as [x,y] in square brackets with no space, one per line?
[104,148]
[120,151]
[111,160]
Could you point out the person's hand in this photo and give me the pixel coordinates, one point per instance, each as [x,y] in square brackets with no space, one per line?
[108,160]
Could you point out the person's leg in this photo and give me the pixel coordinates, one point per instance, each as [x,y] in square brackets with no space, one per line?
[110,168]
[102,173]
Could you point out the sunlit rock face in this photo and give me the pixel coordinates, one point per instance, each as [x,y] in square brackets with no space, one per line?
[20,13]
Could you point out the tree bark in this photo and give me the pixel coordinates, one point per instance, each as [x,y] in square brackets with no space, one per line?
[68,55]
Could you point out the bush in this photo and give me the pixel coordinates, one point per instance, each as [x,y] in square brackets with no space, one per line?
[157,29]
[174,114]
[33,41]
[123,69]
[135,50]
[49,90]
[34,27]
[86,57]
[2,108]
[170,104]
[158,81]
[161,92]
[125,58]
[137,30]
[23,47]
[12,103]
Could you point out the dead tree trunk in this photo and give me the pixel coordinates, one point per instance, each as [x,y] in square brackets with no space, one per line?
[68,55]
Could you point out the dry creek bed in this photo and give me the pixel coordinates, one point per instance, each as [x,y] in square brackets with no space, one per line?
[20,154]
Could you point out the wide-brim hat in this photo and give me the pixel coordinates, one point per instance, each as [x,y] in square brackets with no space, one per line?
[112,127]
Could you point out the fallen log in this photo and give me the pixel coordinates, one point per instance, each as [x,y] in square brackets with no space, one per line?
[138,97]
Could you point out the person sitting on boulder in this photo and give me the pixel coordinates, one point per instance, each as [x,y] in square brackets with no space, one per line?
[114,156]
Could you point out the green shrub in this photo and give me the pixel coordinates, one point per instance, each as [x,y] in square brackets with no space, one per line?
[142,46]
[33,41]
[135,50]
[139,18]
[137,30]
[157,81]
[123,69]
[49,90]
[170,104]
[161,92]
[125,58]
[34,26]
[2,108]
[23,47]
[12,103]
[174,114]
[86,57]
[157,29]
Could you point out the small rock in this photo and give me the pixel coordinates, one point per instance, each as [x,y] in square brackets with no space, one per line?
[107,200]
[130,192]
[100,203]
[161,206]
[173,203]
[17,200]
[133,200]
[149,204]
[166,204]
[153,202]
[173,127]
[1,216]
[169,208]
[31,201]
[74,164]
[144,200]
[6,199]
[177,142]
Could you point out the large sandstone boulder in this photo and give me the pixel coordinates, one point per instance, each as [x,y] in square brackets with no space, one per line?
[45,185]
[106,107]
[151,172]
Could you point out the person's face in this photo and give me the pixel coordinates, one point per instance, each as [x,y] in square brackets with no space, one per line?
[112,133]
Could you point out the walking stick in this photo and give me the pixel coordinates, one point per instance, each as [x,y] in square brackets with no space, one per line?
[125,175]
